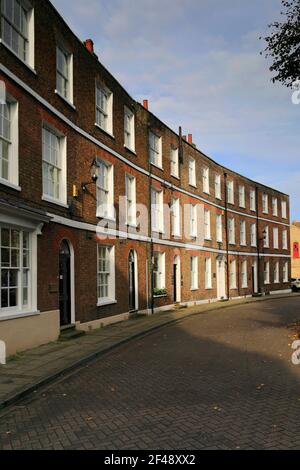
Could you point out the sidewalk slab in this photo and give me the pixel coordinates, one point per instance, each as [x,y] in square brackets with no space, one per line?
[33,369]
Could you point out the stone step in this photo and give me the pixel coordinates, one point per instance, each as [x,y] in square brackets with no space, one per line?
[70,333]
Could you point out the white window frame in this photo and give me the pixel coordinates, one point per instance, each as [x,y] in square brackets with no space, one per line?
[267,272]
[231,231]
[243,234]
[208,273]
[266,241]
[219,228]
[157,210]
[265,203]
[192,171]
[275,238]
[230,192]
[62,139]
[174,158]
[176,217]
[285,273]
[284,239]
[207,224]
[276,272]
[193,221]
[11,139]
[218,187]
[205,180]
[68,96]
[129,130]
[252,200]
[275,206]
[105,206]
[106,112]
[155,149]
[284,209]
[111,297]
[194,273]
[161,273]
[244,272]
[232,275]
[28,36]
[253,235]
[242,196]
[19,268]
[130,192]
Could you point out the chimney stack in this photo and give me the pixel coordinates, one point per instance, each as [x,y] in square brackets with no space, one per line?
[190,139]
[89,44]
[146,104]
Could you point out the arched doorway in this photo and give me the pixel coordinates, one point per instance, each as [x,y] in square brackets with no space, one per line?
[177,279]
[66,283]
[221,278]
[133,281]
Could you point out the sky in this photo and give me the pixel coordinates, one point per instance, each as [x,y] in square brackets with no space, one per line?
[198,63]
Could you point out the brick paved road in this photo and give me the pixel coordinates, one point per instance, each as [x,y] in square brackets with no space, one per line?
[222,380]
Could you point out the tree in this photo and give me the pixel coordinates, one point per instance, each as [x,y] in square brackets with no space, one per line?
[283,44]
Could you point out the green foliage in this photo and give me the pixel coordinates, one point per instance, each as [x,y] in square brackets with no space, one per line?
[157,292]
[283,44]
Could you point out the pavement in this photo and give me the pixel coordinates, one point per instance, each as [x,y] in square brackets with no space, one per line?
[222,379]
[28,371]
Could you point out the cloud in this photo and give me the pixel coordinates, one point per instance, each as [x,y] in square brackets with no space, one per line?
[198,63]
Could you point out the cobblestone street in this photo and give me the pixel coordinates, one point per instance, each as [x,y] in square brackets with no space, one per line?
[221,380]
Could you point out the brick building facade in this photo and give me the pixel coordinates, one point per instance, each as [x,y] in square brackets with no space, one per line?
[72,143]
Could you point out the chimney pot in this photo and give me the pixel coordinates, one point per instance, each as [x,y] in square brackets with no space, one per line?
[190,138]
[146,104]
[89,44]
[184,137]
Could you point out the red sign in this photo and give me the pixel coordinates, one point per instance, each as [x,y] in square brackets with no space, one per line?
[296,250]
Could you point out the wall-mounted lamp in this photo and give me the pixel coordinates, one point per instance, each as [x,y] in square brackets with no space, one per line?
[94,176]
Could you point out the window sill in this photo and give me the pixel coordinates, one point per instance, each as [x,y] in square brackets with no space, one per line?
[194,289]
[106,217]
[55,201]
[105,131]
[207,193]
[176,235]
[157,166]
[102,303]
[16,315]
[242,207]
[130,150]
[160,296]
[208,288]
[193,185]
[131,225]
[175,176]
[208,239]
[10,185]
[65,100]
[16,55]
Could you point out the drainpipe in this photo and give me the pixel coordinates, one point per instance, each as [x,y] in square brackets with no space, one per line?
[151,248]
[257,242]
[226,230]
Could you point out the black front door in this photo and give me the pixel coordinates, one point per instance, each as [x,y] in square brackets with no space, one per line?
[131,269]
[175,281]
[253,280]
[64,284]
